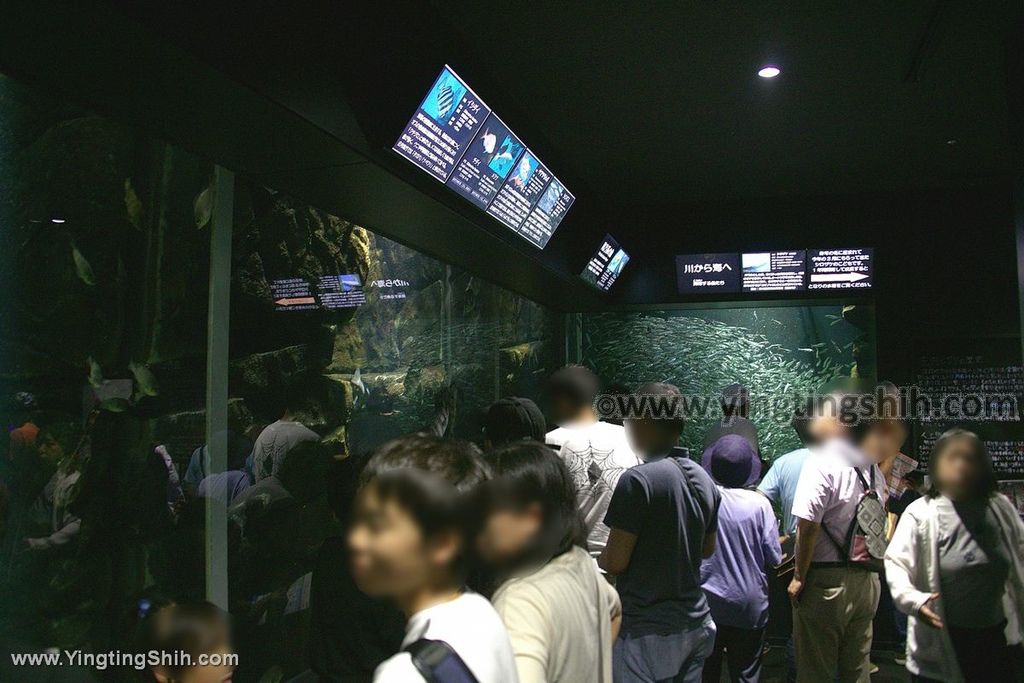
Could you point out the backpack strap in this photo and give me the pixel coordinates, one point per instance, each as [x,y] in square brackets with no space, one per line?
[844,548]
[437,662]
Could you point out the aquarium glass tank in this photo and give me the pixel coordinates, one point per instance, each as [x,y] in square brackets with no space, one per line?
[105,484]
[779,352]
[413,345]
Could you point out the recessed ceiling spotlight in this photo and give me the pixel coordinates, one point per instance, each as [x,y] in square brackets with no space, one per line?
[58,220]
[769,71]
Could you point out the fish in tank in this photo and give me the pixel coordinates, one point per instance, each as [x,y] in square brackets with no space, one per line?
[780,353]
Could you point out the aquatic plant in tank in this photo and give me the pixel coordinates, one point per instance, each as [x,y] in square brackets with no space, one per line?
[779,353]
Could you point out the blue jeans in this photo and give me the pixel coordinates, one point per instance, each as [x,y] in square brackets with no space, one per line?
[673,658]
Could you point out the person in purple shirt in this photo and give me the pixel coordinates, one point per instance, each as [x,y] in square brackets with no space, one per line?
[735,578]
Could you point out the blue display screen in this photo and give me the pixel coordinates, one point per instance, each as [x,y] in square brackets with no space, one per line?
[455,137]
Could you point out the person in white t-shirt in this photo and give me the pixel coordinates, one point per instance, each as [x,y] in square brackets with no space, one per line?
[408,543]
[596,453]
[274,442]
[561,614]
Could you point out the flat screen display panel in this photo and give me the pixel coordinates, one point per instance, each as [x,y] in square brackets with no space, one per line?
[708,273]
[774,271]
[604,268]
[456,138]
[840,268]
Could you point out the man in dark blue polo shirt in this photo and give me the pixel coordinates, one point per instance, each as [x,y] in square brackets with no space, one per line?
[663,517]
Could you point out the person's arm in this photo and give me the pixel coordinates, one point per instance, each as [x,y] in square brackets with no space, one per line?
[901,558]
[806,536]
[625,518]
[617,553]
[770,537]
[710,543]
[769,486]
[614,607]
[524,613]
[814,495]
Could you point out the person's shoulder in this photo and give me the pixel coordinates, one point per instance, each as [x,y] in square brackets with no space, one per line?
[919,509]
[474,602]
[794,458]
[1004,504]
[397,669]
[748,497]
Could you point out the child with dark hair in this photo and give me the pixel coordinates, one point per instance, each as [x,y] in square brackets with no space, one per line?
[562,615]
[183,643]
[408,542]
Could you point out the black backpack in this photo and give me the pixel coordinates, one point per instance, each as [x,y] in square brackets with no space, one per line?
[437,662]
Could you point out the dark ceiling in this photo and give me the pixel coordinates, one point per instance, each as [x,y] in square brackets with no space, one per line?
[660,102]
[651,112]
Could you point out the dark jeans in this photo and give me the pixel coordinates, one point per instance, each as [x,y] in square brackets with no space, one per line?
[982,654]
[741,649]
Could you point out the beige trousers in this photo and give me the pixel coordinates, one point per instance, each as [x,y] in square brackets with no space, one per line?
[832,625]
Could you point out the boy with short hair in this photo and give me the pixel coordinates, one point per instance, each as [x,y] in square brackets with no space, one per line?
[408,543]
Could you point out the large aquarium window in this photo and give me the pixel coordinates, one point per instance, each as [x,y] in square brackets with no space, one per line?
[103,357]
[148,456]
[777,352]
[320,377]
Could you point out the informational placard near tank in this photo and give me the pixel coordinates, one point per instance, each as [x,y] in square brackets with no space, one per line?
[329,292]
[840,268]
[293,294]
[459,140]
[774,271]
[976,384]
[448,118]
[341,291]
[482,170]
[604,268]
[708,273]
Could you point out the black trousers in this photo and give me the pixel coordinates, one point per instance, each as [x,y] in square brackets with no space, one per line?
[982,654]
[739,647]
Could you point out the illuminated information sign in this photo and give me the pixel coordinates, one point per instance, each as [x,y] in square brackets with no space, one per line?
[775,271]
[455,137]
[604,268]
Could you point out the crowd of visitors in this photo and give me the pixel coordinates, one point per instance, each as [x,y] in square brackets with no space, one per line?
[591,551]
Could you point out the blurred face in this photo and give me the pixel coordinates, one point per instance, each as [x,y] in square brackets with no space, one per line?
[824,425]
[508,533]
[958,470]
[215,672]
[389,555]
[649,438]
[884,441]
[49,450]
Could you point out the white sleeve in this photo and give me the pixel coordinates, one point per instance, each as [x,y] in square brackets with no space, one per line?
[397,669]
[901,560]
[814,492]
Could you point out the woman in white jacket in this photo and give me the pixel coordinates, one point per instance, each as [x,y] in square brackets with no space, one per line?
[955,565]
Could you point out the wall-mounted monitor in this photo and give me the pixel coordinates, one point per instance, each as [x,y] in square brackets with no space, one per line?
[456,138]
[775,271]
[708,273]
[840,268]
[604,268]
